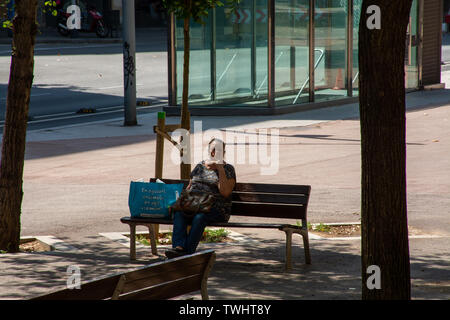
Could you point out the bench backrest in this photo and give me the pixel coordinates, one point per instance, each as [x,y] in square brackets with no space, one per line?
[266,200]
[162,280]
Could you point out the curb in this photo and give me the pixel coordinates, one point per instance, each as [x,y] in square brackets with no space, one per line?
[65,41]
[53,244]
[120,238]
[314,236]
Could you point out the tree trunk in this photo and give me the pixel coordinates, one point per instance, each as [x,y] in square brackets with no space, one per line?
[185,168]
[14,133]
[383,150]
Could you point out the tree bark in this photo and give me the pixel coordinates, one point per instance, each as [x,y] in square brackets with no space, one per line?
[383,150]
[14,132]
[185,168]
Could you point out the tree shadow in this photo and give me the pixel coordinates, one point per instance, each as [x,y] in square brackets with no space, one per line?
[63,100]
[47,149]
[245,271]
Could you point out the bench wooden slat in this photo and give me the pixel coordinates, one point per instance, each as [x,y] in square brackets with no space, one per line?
[165,273]
[256,187]
[172,181]
[270,198]
[272,188]
[268,210]
[166,290]
[95,290]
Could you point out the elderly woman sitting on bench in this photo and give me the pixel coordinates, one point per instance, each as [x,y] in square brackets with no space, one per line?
[213,176]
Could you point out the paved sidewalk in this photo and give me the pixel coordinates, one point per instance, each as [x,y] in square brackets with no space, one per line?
[76,186]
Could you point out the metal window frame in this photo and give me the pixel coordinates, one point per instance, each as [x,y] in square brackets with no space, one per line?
[312,46]
[213,66]
[271,52]
[349,53]
[420,45]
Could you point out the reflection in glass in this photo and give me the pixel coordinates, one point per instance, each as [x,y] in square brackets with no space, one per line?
[229,53]
[330,31]
[411,67]
[291,52]
[228,56]
[200,67]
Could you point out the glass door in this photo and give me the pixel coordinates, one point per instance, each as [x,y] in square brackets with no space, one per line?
[291,52]
[241,52]
[330,32]
[200,51]
[411,67]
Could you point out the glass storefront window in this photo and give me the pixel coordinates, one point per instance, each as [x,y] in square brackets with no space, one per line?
[291,52]
[330,30]
[200,57]
[228,56]
[355,70]
[229,53]
[241,52]
[411,66]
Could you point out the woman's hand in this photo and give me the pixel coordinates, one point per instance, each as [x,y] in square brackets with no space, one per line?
[226,185]
[213,165]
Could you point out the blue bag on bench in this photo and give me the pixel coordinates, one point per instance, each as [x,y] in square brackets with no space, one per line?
[151,199]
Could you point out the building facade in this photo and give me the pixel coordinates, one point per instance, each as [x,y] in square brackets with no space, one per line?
[278,56]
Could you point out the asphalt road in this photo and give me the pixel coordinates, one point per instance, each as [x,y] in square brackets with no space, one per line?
[68,77]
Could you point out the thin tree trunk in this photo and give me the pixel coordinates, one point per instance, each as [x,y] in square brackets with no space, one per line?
[14,133]
[383,150]
[185,168]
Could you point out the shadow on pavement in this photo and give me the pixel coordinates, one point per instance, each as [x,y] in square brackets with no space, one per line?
[240,272]
[57,99]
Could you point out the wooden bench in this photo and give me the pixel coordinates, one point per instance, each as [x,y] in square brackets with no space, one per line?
[158,281]
[276,201]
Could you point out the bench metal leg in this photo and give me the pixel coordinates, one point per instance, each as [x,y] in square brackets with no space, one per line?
[152,236]
[304,234]
[132,242]
[204,284]
[288,264]
[306,247]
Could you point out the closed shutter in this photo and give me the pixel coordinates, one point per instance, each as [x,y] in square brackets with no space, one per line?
[432,33]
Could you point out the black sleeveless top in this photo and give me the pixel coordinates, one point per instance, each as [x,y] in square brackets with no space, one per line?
[207,180]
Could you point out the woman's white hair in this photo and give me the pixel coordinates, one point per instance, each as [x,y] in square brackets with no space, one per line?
[216,140]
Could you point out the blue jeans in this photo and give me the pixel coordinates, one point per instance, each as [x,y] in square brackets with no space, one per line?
[190,241]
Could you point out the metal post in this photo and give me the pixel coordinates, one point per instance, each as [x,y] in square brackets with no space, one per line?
[420,43]
[213,56]
[129,62]
[253,51]
[293,47]
[349,60]
[271,52]
[311,50]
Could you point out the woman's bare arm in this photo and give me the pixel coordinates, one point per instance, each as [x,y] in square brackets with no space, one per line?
[226,185]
